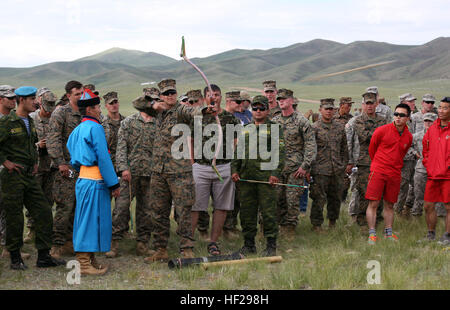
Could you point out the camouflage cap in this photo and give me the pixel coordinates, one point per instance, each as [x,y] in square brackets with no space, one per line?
[234,95]
[407,97]
[110,97]
[327,103]
[428,97]
[140,103]
[429,117]
[345,100]
[270,85]
[194,94]
[183,97]
[42,91]
[372,89]
[369,97]
[260,100]
[245,96]
[63,100]
[91,87]
[167,84]
[285,93]
[49,101]
[7,91]
[151,92]
[382,100]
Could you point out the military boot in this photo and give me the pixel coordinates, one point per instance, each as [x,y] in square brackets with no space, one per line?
[187,253]
[67,249]
[6,254]
[114,252]
[96,264]
[44,260]
[56,251]
[331,224]
[29,237]
[86,267]
[159,256]
[143,250]
[271,247]
[249,247]
[288,232]
[16,261]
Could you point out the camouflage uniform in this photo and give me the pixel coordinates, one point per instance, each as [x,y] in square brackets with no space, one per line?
[62,122]
[274,112]
[327,170]
[353,148]
[359,133]
[171,178]
[134,153]
[2,211]
[301,149]
[19,189]
[258,197]
[113,128]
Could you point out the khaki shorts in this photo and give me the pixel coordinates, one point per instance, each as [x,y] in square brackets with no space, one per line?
[207,184]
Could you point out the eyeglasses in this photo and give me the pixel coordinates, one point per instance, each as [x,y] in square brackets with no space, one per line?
[9,98]
[262,109]
[426,120]
[369,103]
[184,100]
[400,114]
[328,109]
[193,101]
[113,102]
[238,101]
[169,93]
[429,102]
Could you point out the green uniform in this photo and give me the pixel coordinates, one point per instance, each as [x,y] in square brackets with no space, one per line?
[19,189]
[254,196]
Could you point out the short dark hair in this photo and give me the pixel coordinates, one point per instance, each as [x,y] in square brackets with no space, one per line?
[71,85]
[404,106]
[214,87]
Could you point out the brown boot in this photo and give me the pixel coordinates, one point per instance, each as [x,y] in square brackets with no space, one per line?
[187,253]
[143,250]
[67,248]
[29,237]
[96,264]
[331,224]
[86,267]
[114,252]
[317,229]
[56,251]
[159,256]
[288,232]
[5,254]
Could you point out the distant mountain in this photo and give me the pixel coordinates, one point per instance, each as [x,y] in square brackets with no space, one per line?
[290,64]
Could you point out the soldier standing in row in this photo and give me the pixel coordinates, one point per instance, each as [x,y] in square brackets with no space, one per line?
[417,122]
[62,122]
[301,150]
[359,132]
[19,185]
[270,91]
[112,121]
[259,197]
[133,161]
[328,168]
[381,109]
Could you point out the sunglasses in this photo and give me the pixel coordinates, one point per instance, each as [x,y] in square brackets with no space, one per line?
[262,109]
[370,103]
[193,101]
[113,102]
[400,114]
[429,102]
[169,93]
[328,109]
[184,100]
[238,101]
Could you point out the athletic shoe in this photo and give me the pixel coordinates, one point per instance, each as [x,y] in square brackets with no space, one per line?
[391,238]
[372,240]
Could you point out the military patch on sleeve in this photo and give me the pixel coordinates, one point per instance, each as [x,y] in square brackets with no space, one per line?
[16,130]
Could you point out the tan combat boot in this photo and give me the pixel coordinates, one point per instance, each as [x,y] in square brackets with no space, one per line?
[187,253]
[86,267]
[29,237]
[159,256]
[143,250]
[114,252]
[56,251]
[5,254]
[331,224]
[96,264]
[288,232]
[67,248]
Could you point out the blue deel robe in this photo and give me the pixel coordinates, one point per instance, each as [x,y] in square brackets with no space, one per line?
[92,227]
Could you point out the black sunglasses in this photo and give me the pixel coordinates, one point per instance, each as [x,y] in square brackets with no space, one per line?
[193,101]
[429,102]
[259,108]
[400,114]
[238,101]
[169,93]
[329,109]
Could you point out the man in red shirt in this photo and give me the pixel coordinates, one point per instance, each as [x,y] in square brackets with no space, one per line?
[387,148]
[436,159]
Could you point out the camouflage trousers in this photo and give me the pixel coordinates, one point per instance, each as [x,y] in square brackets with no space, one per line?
[19,190]
[325,190]
[254,198]
[203,219]
[362,178]
[64,195]
[165,188]
[345,186]
[420,182]
[140,188]
[288,198]
[406,195]
[231,220]
[2,219]
[354,198]
[45,180]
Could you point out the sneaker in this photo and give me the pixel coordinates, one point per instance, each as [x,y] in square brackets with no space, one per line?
[393,237]
[445,240]
[372,240]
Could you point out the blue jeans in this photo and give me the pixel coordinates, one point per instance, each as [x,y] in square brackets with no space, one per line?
[304,199]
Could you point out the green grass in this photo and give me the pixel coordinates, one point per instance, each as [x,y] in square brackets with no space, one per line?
[336,259]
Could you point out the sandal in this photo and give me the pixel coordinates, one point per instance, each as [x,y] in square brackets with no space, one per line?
[213,249]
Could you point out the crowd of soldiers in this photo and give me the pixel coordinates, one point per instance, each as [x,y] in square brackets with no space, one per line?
[328,150]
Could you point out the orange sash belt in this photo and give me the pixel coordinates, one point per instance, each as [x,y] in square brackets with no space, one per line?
[92,173]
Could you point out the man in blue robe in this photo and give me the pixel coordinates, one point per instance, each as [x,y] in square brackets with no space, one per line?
[92,227]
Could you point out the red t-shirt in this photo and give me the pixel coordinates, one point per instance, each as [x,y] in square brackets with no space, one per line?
[388,148]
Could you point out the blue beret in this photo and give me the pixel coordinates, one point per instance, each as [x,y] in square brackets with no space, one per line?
[26,91]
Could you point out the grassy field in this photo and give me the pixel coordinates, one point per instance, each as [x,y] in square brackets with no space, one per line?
[335,259]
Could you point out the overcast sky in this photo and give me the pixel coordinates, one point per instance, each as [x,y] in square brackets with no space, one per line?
[37,32]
